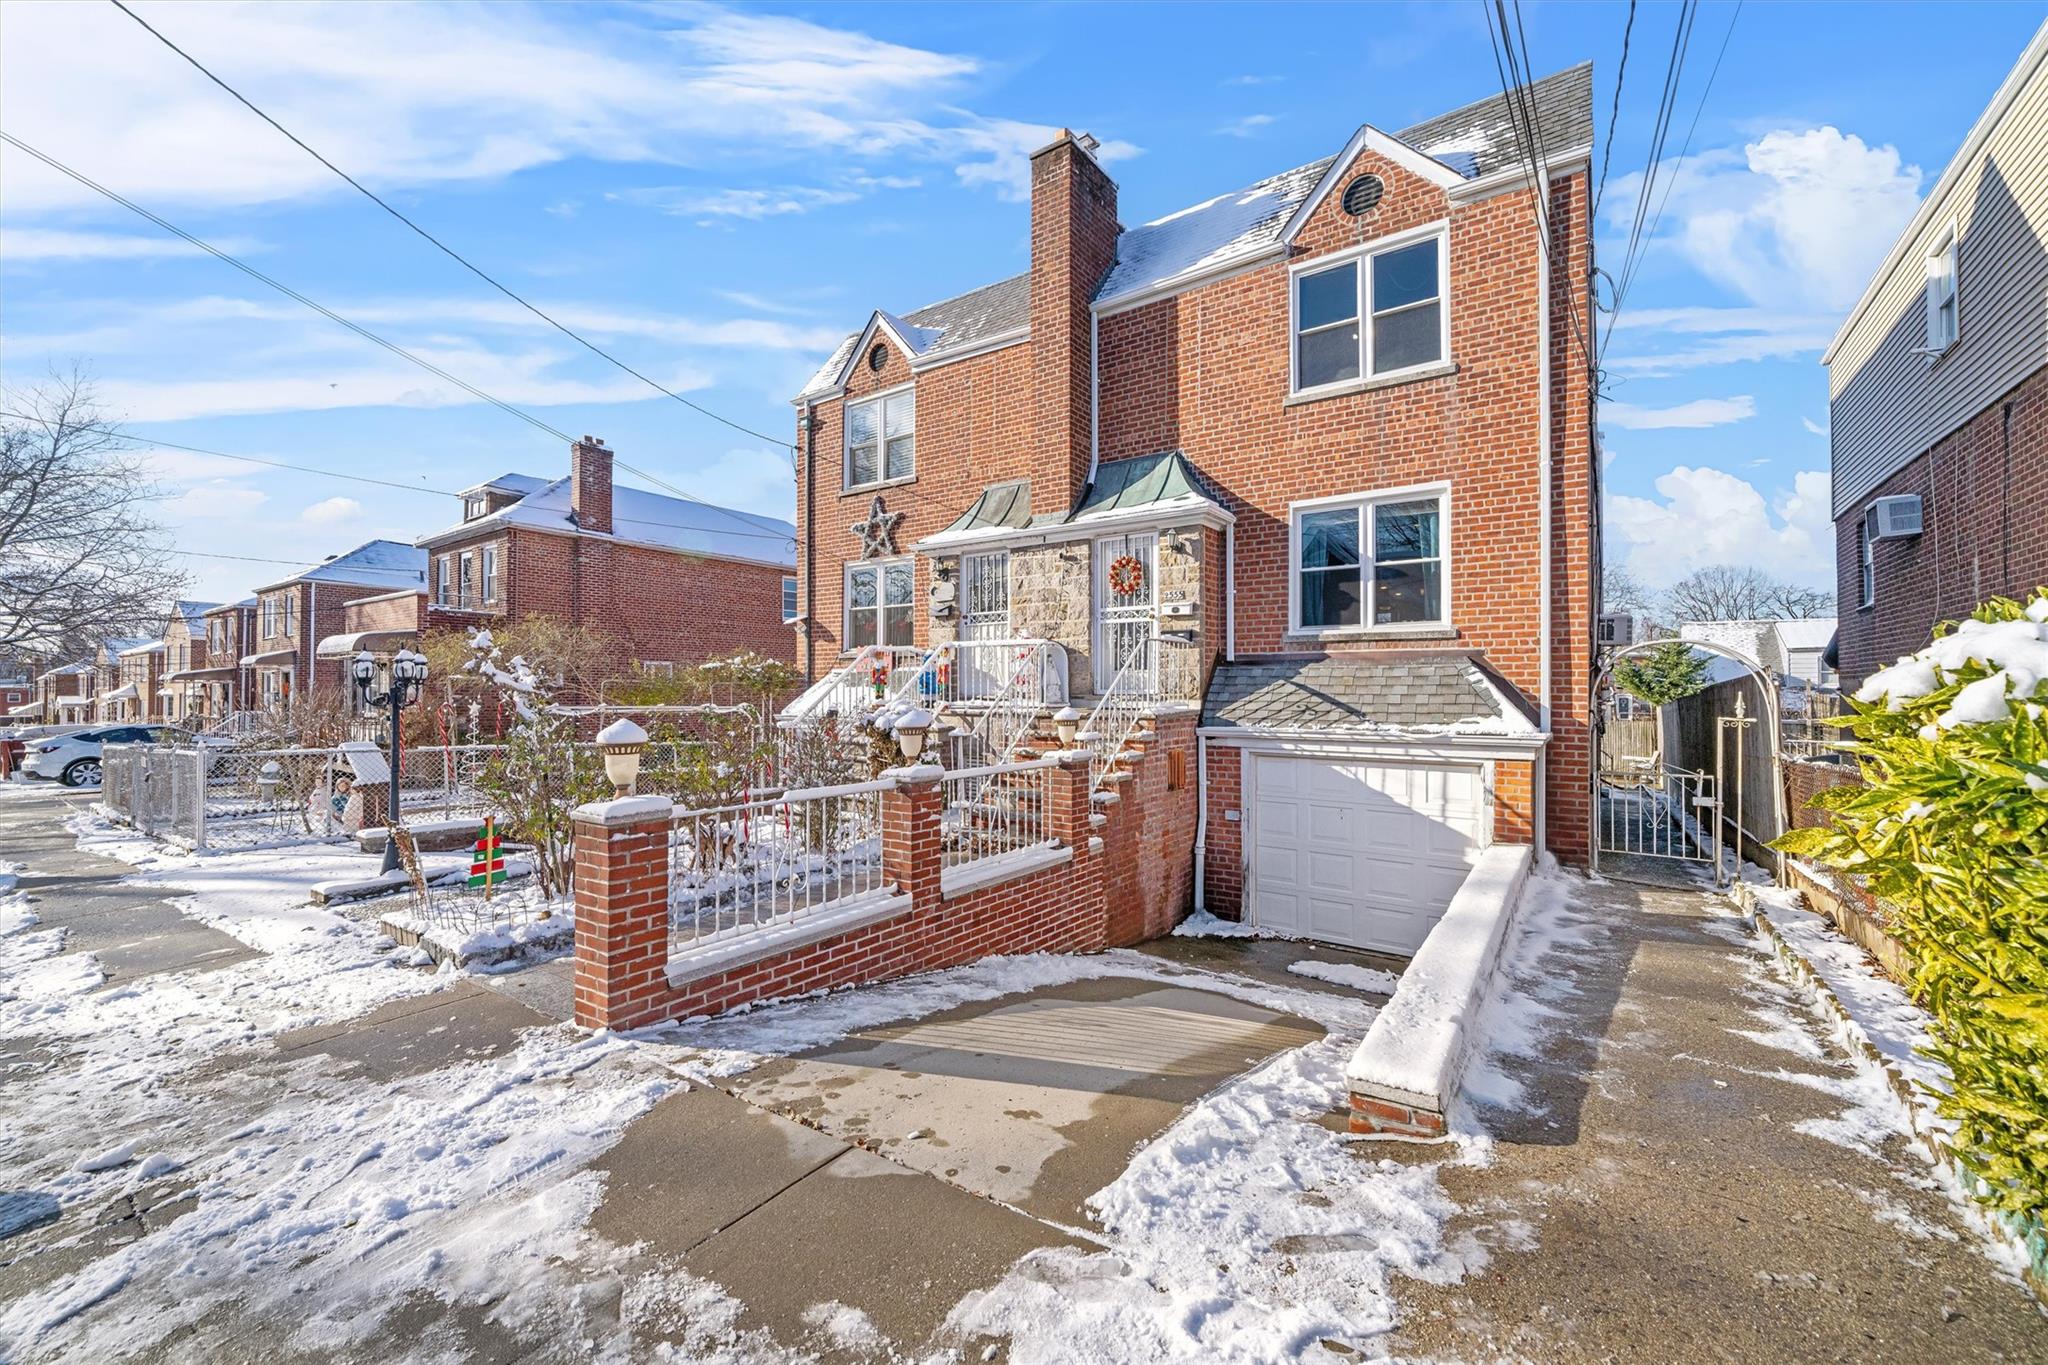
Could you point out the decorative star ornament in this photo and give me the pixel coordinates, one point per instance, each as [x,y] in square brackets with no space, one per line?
[878,533]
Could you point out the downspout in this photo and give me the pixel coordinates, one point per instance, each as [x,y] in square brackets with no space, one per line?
[1541,794]
[1094,398]
[305,629]
[811,539]
[1230,592]
[1201,818]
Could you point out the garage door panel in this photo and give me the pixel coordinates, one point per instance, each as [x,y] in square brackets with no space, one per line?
[1358,853]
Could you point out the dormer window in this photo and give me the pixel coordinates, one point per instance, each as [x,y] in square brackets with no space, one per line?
[474,506]
[881,439]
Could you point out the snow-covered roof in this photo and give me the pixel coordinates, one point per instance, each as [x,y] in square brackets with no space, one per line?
[1744,637]
[67,670]
[192,611]
[697,528]
[146,647]
[1811,633]
[1473,140]
[374,564]
[121,644]
[246,604]
[520,484]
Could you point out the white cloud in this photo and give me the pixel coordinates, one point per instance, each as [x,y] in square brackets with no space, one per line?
[1247,126]
[421,94]
[52,244]
[1700,412]
[1254,80]
[330,510]
[746,204]
[214,500]
[1649,343]
[1813,426]
[1798,218]
[1708,516]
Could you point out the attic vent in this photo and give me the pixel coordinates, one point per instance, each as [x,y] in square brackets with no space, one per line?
[878,356]
[1362,195]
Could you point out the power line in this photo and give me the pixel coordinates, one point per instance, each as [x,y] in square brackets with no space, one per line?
[1693,127]
[366,333]
[280,287]
[1614,113]
[1667,105]
[447,250]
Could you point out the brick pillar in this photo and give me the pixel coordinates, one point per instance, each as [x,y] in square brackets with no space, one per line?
[621,854]
[1071,808]
[911,858]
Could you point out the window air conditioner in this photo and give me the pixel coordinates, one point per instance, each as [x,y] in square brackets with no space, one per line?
[1895,518]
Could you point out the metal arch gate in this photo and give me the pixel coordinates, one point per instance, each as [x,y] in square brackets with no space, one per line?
[1646,808]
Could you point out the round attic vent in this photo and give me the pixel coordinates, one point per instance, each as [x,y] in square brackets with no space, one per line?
[1362,195]
[878,356]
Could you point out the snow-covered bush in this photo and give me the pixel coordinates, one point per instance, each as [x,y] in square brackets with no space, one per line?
[539,775]
[1952,828]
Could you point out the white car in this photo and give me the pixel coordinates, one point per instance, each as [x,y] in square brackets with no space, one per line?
[74,759]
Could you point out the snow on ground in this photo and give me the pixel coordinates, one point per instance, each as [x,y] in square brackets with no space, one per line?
[1202,924]
[1370,979]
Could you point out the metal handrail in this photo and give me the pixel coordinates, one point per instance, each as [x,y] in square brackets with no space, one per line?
[1124,706]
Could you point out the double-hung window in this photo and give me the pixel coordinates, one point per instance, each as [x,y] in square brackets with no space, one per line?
[1372,560]
[1378,314]
[1941,291]
[464,576]
[878,602]
[1867,569]
[881,439]
[490,584]
[789,597]
[444,574]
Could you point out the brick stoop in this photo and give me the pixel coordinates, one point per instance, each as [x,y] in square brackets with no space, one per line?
[1384,1119]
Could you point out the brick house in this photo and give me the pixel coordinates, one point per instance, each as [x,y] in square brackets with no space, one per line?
[1310,461]
[676,581]
[294,614]
[63,695]
[1938,395]
[137,669]
[16,693]
[180,694]
[211,679]
[110,699]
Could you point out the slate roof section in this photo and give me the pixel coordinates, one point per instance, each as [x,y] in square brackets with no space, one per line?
[961,322]
[695,528]
[1361,694]
[1475,140]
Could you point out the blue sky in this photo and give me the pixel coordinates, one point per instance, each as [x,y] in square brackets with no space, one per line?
[717,194]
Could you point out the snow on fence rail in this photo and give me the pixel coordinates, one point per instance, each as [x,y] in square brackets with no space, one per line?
[742,868]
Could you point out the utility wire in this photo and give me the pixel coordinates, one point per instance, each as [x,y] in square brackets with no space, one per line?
[1654,168]
[447,250]
[281,288]
[1693,127]
[1614,113]
[368,335]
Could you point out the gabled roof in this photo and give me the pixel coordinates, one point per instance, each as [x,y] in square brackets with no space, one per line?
[118,645]
[374,564]
[192,611]
[246,604]
[1468,143]
[957,324]
[1809,633]
[679,524]
[146,647]
[519,484]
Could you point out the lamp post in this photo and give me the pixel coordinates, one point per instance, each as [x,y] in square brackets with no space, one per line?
[910,731]
[622,743]
[404,678]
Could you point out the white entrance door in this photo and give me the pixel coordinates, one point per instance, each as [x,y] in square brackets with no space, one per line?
[1362,853]
[984,616]
[1125,622]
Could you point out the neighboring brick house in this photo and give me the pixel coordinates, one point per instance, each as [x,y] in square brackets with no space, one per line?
[674,580]
[110,698]
[180,691]
[134,697]
[16,693]
[215,683]
[63,695]
[294,614]
[1308,434]
[1938,395]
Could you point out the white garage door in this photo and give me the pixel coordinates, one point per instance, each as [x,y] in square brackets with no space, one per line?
[1363,854]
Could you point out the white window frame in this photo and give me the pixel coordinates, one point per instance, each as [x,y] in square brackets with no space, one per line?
[464,562]
[1361,256]
[1944,257]
[880,566]
[290,611]
[442,567]
[475,505]
[1866,568]
[789,598]
[488,586]
[1441,491]
[656,668]
[880,401]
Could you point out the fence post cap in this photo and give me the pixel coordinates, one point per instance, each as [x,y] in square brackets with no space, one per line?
[624,810]
[921,772]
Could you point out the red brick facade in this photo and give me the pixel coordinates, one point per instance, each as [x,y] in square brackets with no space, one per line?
[1983,493]
[664,605]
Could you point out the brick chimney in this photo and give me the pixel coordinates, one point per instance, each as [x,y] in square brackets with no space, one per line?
[1073,245]
[590,484]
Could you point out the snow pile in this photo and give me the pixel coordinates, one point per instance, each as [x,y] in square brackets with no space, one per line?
[1202,924]
[1370,979]
[2014,652]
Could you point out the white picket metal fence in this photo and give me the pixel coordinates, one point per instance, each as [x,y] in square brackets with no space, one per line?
[206,796]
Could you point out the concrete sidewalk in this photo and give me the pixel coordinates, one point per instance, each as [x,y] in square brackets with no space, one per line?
[1674,1185]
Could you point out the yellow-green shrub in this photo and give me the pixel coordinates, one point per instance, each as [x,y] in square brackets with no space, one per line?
[1952,827]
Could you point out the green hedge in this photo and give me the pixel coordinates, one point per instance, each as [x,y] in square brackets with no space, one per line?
[1953,828]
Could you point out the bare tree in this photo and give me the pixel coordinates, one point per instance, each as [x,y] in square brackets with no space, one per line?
[81,558]
[1730,592]
[1621,590]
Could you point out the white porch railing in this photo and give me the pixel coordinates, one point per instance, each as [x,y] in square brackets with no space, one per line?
[759,865]
[855,687]
[995,810]
[1161,669]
